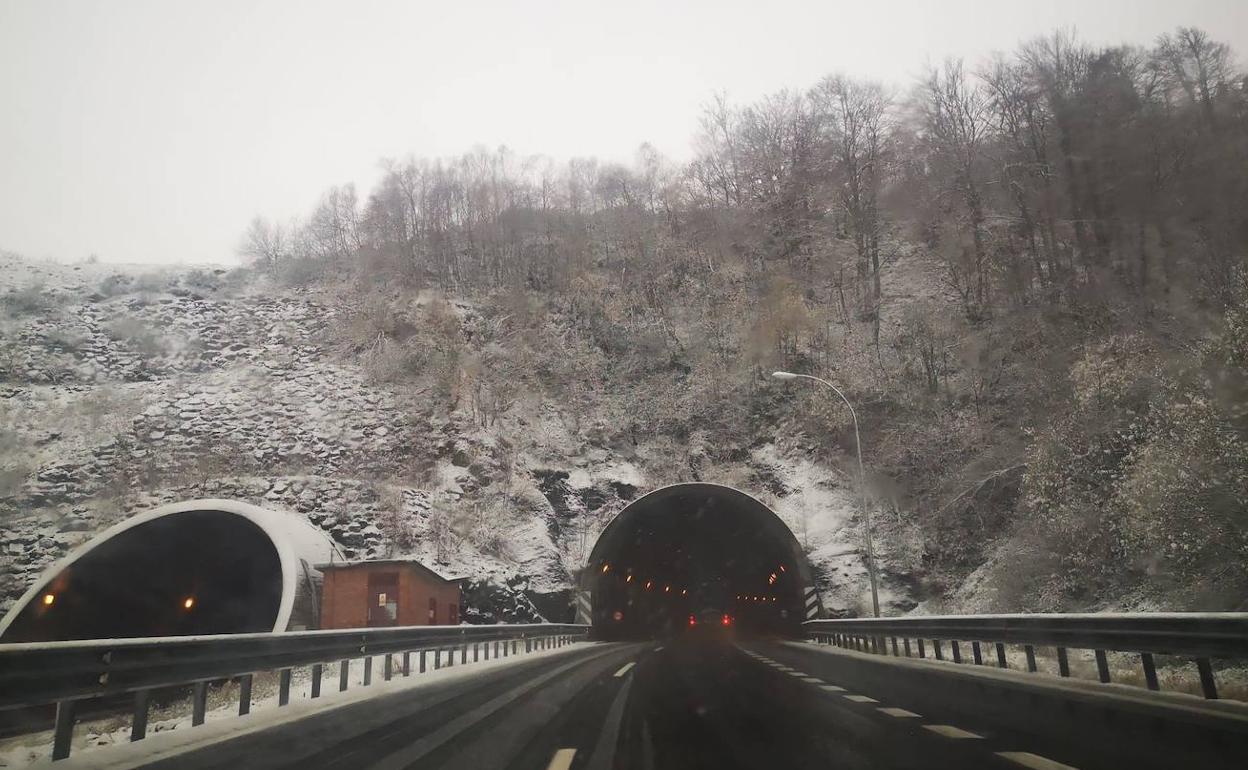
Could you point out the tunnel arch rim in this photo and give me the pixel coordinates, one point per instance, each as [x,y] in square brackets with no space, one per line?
[276,525]
[657,495]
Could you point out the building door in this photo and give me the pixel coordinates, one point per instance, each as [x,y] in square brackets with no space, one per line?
[383,599]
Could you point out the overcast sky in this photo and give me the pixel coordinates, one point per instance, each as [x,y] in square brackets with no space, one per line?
[153,131]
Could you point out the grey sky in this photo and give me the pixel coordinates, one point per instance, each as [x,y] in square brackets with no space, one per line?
[153,131]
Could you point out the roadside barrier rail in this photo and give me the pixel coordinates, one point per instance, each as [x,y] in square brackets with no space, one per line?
[1199,636]
[65,673]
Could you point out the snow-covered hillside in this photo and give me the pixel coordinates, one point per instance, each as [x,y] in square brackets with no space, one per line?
[121,389]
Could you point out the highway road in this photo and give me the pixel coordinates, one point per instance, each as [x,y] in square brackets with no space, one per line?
[682,703]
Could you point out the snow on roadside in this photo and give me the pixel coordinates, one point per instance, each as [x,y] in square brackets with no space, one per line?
[169,727]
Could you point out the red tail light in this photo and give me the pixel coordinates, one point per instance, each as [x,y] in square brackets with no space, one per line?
[692,621]
[726,620]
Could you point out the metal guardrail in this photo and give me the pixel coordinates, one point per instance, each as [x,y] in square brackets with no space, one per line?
[1199,636]
[65,673]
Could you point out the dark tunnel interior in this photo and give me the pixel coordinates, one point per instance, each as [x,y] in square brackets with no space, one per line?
[678,562]
[197,572]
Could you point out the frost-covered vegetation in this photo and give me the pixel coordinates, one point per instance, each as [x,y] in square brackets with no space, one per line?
[1028,272]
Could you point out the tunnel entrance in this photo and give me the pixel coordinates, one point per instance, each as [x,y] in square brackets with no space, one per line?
[197,572]
[693,554]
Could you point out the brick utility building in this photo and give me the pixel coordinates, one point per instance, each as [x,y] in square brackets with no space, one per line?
[386,592]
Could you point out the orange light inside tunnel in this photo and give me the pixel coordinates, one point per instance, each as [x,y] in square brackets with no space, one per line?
[771,579]
[684,592]
[628,579]
[188,602]
[667,589]
[48,599]
[606,568]
[782,568]
[649,584]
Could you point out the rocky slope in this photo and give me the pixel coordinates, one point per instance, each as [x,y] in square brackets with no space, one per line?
[121,389]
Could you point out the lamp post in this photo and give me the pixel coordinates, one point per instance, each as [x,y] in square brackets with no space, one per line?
[862,483]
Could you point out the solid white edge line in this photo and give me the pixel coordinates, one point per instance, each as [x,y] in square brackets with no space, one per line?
[562,759]
[1033,761]
[624,669]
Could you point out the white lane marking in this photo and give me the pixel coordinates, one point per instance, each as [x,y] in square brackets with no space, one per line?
[562,759]
[624,669]
[659,648]
[949,731]
[796,673]
[900,713]
[812,679]
[832,688]
[861,699]
[1033,761]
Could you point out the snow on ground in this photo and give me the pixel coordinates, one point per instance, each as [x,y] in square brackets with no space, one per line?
[170,731]
[822,511]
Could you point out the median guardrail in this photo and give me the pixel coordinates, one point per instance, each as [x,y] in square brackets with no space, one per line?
[1199,636]
[65,673]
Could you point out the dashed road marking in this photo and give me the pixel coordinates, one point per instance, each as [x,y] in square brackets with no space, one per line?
[861,699]
[659,648]
[1033,761]
[812,679]
[900,713]
[624,669]
[562,759]
[949,731]
[832,688]
[796,673]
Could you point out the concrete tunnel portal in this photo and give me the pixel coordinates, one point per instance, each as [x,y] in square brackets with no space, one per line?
[196,567]
[696,550]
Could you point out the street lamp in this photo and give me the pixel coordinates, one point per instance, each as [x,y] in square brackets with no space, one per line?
[862,482]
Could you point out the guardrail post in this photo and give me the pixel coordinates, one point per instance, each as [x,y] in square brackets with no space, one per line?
[344,674]
[1031,658]
[1001,656]
[957,653]
[63,733]
[407,663]
[244,695]
[476,652]
[1207,684]
[463,653]
[199,703]
[905,645]
[138,724]
[317,670]
[1102,666]
[368,670]
[976,654]
[895,653]
[528,644]
[422,661]
[388,666]
[1150,671]
[940,653]
[283,687]
[922,650]
[1063,664]
[437,659]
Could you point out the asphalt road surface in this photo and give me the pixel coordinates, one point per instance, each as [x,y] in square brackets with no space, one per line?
[683,703]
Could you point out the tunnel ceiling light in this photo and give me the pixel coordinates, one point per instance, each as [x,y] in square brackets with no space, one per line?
[48,599]
[188,602]
[667,589]
[649,584]
[606,568]
[628,579]
[684,592]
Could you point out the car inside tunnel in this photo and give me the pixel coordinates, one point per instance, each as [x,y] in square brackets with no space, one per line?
[197,572]
[690,556]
